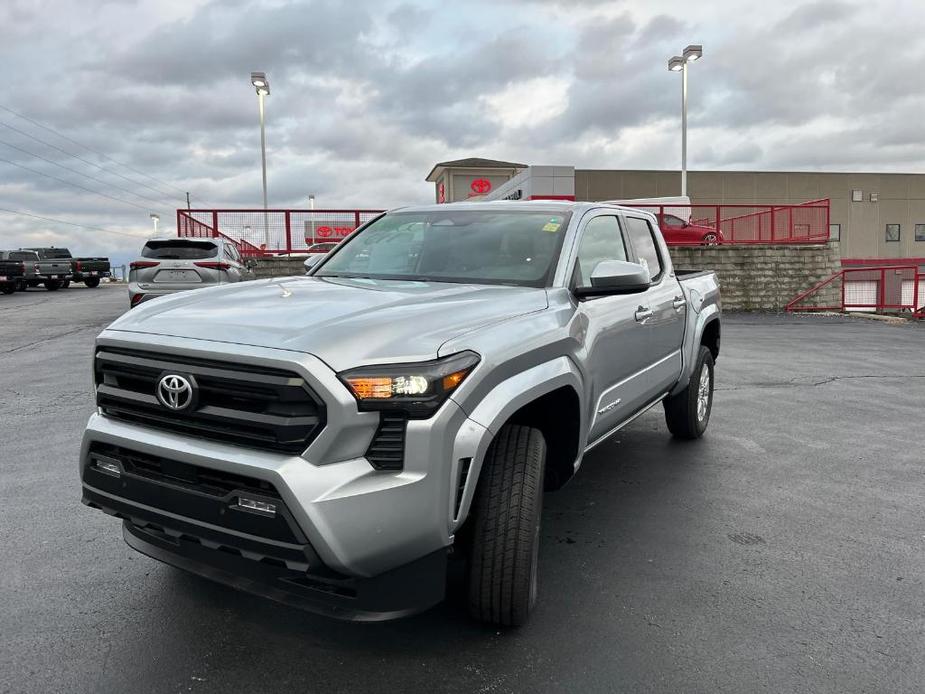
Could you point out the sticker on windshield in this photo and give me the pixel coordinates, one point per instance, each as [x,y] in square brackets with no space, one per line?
[552,227]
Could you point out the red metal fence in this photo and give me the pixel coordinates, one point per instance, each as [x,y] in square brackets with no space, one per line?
[261,232]
[894,288]
[684,225]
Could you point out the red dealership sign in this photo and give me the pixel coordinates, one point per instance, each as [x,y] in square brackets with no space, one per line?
[480,186]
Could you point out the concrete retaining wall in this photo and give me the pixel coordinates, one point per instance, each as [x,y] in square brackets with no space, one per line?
[765,277]
[279,267]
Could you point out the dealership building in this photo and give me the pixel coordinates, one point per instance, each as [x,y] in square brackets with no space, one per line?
[875,217]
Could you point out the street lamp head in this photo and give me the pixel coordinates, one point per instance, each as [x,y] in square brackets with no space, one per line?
[676,64]
[693,52]
[260,82]
[155,217]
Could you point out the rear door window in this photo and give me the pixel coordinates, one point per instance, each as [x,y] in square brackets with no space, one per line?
[643,239]
[179,249]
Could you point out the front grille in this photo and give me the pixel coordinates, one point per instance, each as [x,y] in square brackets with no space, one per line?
[387,449]
[241,404]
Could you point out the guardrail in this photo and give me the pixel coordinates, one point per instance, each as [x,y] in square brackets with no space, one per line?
[685,225]
[893,288]
[272,232]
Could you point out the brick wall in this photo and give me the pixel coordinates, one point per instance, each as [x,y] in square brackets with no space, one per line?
[765,277]
[279,267]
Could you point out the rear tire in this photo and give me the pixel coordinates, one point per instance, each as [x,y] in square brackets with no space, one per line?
[688,413]
[506,527]
[65,284]
[52,285]
[8,288]
[92,282]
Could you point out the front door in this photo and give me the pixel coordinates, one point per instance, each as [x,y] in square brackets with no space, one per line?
[615,342]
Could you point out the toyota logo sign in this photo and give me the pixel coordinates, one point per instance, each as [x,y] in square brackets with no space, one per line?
[480,186]
[175,392]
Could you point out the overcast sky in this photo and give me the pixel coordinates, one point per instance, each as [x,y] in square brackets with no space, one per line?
[368,95]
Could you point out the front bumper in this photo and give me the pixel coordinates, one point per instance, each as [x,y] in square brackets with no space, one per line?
[352,523]
[218,556]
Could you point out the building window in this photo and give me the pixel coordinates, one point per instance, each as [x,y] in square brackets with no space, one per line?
[857,196]
[920,232]
[834,232]
[892,232]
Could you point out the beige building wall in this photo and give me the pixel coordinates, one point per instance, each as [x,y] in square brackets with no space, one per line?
[900,199]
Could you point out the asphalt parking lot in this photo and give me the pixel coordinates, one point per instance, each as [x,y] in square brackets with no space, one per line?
[783,552]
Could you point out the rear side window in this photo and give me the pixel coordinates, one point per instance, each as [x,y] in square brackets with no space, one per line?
[643,241]
[179,249]
[601,240]
[23,255]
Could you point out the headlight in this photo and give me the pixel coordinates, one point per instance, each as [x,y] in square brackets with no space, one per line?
[418,389]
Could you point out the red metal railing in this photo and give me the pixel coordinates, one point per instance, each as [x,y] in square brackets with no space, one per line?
[807,222]
[894,288]
[270,232]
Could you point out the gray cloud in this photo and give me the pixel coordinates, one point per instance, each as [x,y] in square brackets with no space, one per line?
[368,94]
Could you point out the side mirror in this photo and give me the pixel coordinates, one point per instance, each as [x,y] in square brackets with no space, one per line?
[311,261]
[616,277]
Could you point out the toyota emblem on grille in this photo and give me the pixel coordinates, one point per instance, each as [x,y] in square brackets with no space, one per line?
[175,392]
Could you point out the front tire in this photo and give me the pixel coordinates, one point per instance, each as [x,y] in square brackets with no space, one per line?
[688,413]
[506,527]
[92,282]
[65,284]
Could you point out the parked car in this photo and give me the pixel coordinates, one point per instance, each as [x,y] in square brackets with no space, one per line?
[87,270]
[329,441]
[677,231]
[170,265]
[12,275]
[51,273]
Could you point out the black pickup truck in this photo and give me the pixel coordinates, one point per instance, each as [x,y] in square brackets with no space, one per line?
[12,275]
[87,270]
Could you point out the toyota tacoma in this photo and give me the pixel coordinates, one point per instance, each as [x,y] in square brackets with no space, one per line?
[330,441]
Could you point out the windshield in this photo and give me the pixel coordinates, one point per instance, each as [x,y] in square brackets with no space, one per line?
[179,249]
[517,247]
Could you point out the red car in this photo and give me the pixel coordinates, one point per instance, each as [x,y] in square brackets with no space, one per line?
[677,232]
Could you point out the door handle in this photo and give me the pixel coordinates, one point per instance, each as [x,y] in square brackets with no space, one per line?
[678,302]
[644,312]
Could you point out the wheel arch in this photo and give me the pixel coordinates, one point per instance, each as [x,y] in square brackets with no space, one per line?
[546,396]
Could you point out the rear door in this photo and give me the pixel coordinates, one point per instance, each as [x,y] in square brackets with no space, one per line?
[615,343]
[664,310]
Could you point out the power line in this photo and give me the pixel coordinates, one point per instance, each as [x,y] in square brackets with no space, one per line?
[86,161]
[62,221]
[75,185]
[80,173]
[80,144]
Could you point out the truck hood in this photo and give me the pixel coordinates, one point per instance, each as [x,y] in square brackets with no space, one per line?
[344,322]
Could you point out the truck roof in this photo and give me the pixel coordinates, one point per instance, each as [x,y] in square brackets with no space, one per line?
[539,205]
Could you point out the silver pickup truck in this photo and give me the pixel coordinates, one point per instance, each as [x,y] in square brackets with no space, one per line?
[330,441]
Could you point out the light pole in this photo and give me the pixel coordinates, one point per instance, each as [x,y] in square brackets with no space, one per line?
[311,206]
[155,218]
[262,85]
[679,64]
